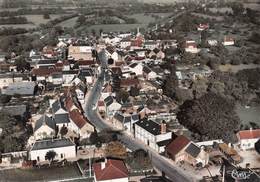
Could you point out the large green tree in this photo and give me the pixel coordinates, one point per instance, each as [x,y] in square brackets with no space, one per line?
[211,116]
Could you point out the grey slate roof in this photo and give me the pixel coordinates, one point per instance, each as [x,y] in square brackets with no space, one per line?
[150,126]
[146,69]
[49,144]
[135,117]
[22,88]
[193,150]
[118,116]
[126,119]
[61,118]
[15,110]
[48,61]
[57,105]
[44,120]
[109,100]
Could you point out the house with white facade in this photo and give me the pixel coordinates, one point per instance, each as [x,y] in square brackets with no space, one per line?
[153,134]
[68,76]
[62,120]
[228,41]
[110,170]
[148,73]
[58,107]
[44,128]
[79,124]
[126,121]
[111,105]
[136,68]
[191,47]
[248,138]
[182,149]
[64,149]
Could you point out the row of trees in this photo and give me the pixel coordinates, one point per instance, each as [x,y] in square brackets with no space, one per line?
[29,11]
[13,20]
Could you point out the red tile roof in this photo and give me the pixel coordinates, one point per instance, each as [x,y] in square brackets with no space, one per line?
[177,145]
[129,82]
[77,118]
[249,134]
[86,62]
[44,71]
[69,103]
[114,169]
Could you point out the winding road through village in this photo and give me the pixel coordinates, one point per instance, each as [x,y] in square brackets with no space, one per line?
[172,171]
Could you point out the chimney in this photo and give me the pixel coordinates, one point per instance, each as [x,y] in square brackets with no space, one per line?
[103,164]
[163,127]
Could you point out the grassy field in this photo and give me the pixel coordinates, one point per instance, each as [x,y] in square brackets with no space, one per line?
[142,22]
[35,20]
[41,174]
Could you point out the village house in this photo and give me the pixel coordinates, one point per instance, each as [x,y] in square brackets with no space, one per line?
[151,45]
[46,63]
[202,27]
[110,170]
[78,52]
[111,106]
[8,78]
[153,134]
[191,47]
[64,149]
[248,138]
[128,83]
[44,128]
[58,107]
[148,73]
[21,88]
[182,149]
[80,125]
[228,41]
[62,120]
[125,42]
[126,121]
[136,68]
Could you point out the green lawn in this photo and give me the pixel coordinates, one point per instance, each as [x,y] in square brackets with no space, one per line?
[40,174]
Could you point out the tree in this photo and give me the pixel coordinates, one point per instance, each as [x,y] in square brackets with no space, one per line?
[134,91]
[94,138]
[115,149]
[22,64]
[211,116]
[257,146]
[63,130]
[81,19]
[237,8]
[110,61]
[50,155]
[46,16]
[171,83]
[5,99]
[122,96]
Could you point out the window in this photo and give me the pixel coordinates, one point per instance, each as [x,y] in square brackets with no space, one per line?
[38,158]
[61,156]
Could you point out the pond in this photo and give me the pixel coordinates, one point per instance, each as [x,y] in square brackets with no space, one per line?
[246,115]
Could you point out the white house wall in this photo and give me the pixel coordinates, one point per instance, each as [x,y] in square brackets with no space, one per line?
[67,152]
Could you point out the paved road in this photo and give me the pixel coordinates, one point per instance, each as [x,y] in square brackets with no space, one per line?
[173,172]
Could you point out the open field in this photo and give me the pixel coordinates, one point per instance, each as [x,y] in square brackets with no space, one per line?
[35,20]
[40,174]
[236,68]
